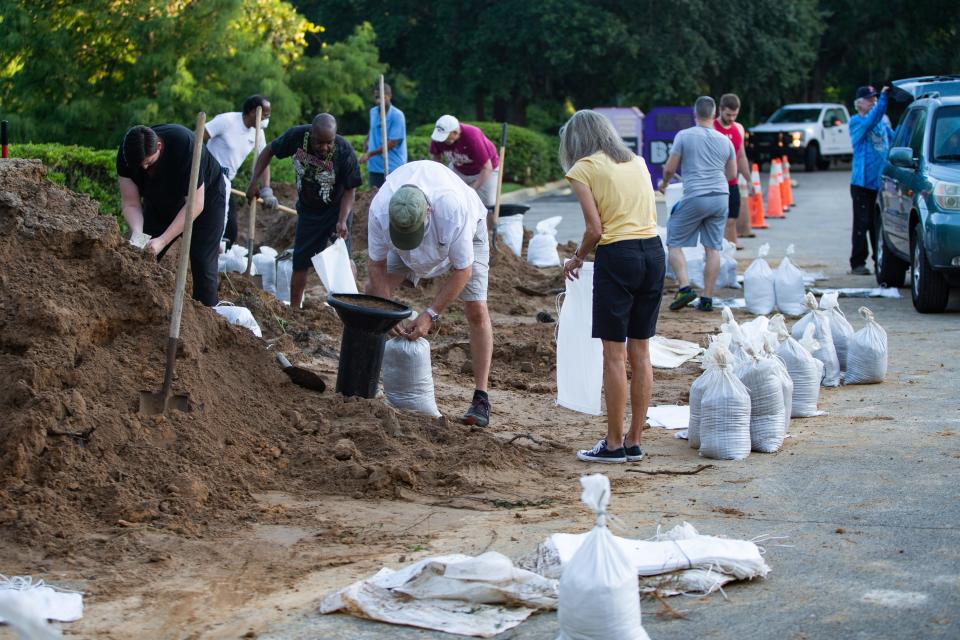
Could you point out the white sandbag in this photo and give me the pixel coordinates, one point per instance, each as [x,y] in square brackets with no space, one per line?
[786,382]
[711,371]
[335,268]
[598,588]
[695,258]
[284,264]
[542,251]
[759,375]
[408,376]
[724,411]
[265,264]
[240,316]
[805,371]
[826,351]
[758,284]
[840,328]
[510,232]
[867,353]
[579,355]
[727,329]
[789,287]
[234,260]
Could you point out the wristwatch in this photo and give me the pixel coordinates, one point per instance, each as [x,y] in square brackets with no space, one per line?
[434,316]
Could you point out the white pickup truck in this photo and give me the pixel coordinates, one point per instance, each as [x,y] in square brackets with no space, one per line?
[809,133]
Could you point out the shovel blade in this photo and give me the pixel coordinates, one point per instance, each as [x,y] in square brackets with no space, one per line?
[156,404]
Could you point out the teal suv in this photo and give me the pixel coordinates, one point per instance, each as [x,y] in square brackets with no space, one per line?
[918,206]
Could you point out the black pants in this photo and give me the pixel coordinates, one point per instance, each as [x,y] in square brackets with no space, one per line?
[734,211]
[375,179]
[230,233]
[204,245]
[863,202]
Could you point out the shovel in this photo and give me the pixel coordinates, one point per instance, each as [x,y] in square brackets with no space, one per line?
[252,226]
[300,376]
[495,219]
[163,400]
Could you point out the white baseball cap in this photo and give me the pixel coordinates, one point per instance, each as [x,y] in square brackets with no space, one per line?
[445,125]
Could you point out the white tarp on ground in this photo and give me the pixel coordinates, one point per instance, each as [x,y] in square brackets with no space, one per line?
[472,596]
[37,601]
[669,416]
[866,292]
[667,353]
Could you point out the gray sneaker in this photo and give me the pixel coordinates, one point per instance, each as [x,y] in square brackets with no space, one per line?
[860,270]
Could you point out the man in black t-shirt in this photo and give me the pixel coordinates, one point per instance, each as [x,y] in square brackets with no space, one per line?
[327,176]
[153,166]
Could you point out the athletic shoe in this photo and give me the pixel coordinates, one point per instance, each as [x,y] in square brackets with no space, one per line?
[634,453]
[860,271]
[601,454]
[479,412]
[682,299]
[705,304]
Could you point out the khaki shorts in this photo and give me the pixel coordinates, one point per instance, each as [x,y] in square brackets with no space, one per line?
[476,288]
[488,190]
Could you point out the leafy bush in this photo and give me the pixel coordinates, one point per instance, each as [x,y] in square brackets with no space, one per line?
[531,156]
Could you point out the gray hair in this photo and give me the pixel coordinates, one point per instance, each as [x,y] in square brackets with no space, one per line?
[705,108]
[586,133]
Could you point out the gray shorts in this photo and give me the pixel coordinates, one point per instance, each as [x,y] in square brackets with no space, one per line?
[488,190]
[699,217]
[476,288]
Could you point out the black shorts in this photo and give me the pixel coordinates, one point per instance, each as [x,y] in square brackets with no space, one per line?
[375,179]
[627,289]
[734,212]
[314,234]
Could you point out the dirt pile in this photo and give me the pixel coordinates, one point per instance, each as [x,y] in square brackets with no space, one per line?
[83,324]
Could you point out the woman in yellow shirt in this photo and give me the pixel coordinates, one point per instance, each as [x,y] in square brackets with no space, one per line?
[615,193]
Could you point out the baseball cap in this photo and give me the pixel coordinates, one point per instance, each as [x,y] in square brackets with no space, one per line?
[408,215]
[866,92]
[445,125]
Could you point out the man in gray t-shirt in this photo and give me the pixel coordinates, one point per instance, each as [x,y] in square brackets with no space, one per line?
[708,162]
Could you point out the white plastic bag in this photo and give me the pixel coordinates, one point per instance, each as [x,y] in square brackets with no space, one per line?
[542,251]
[723,409]
[510,232]
[758,284]
[239,316]
[599,590]
[408,376]
[335,269]
[805,370]
[867,352]
[579,355]
[789,287]
[284,273]
[840,328]
[265,263]
[826,352]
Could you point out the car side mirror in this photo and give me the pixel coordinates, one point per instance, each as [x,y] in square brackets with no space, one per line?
[902,157]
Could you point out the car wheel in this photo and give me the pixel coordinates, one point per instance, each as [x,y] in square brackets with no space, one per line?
[890,269]
[928,288]
[812,157]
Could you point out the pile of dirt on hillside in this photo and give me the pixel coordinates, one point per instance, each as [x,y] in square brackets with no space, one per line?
[83,326]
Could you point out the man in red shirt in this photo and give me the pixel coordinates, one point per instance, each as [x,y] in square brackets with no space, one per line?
[727,125]
[469,153]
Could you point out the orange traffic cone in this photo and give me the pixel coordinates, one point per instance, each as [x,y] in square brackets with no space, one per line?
[786,180]
[774,203]
[784,196]
[756,200]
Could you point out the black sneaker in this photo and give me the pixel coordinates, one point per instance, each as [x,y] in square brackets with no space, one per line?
[682,299]
[601,454]
[634,453]
[860,270]
[705,304]
[479,412]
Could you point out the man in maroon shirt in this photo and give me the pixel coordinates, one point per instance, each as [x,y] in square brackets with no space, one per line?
[727,125]
[470,154]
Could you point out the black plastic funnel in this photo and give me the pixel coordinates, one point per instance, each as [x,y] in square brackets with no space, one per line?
[366,321]
[507,210]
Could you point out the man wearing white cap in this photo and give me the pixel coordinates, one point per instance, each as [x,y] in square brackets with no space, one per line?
[470,154]
[425,222]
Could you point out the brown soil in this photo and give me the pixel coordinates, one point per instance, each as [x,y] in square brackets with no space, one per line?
[146,509]
[370,302]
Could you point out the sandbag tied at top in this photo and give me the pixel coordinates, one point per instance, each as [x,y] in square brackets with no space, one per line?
[758,284]
[789,287]
[805,371]
[840,329]
[542,250]
[826,351]
[722,407]
[762,380]
[867,354]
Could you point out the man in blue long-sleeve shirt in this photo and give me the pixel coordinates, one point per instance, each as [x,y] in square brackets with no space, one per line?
[870,135]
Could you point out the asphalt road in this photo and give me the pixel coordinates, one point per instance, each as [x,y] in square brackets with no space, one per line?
[866,496]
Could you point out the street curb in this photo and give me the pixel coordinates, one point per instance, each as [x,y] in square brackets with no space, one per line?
[529,193]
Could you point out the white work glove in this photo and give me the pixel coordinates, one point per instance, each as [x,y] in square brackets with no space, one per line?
[269,200]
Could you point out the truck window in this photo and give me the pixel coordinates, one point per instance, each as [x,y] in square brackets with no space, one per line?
[788,114]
